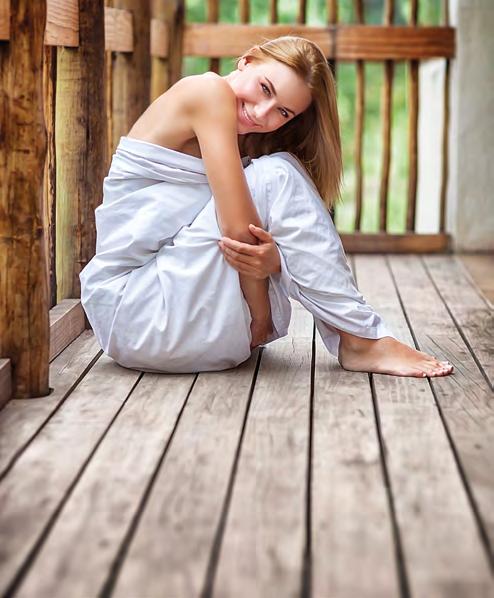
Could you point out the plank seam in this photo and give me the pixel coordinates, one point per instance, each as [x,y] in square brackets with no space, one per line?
[118,561]
[458,327]
[484,538]
[207,590]
[472,282]
[22,448]
[38,544]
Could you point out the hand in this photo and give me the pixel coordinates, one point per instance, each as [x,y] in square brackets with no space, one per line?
[256,261]
[260,331]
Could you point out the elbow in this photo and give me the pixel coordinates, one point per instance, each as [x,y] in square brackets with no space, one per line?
[238,234]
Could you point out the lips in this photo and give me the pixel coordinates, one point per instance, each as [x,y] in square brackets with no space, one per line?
[247,118]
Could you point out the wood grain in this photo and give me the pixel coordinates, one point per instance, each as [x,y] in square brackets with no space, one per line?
[391,243]
[119,33]
[176,40]
[106,499]
[351,522]
[354,42]
[359,125]
[465,397]
[33,490]
[4,19]
[443,553]
[186,502]
[5,382]
[213,15]
[62,23]
[469,310]
[264,539]
[24,297]
[159,38]
[66,324]
[21,419]
[481,269]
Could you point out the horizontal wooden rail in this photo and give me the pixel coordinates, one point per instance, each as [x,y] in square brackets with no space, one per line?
[62,23]
[5,381]
[66,324]
[4,19]
[159,38]
[119,33]
[389,243]
[341,42]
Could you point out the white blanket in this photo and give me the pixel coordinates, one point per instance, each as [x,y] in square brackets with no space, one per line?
[159,294]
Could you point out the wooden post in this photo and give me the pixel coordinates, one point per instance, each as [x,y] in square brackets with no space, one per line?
[81,146]
[159,72]
[175,40]
[132,71]
[359,124]
[24,320]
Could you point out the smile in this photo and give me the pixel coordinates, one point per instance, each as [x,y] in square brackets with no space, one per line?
[247,117]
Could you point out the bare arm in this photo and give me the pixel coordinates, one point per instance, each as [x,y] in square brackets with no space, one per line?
[213,118]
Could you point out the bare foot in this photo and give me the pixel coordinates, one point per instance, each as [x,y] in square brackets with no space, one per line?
[388,356]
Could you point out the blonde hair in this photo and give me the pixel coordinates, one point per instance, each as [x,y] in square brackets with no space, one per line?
[314,135]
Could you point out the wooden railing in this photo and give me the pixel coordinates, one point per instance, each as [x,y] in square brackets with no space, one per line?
[77,78]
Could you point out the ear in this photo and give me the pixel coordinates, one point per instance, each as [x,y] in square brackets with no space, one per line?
[243,62]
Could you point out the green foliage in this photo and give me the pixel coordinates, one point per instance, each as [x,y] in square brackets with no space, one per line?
[429,14]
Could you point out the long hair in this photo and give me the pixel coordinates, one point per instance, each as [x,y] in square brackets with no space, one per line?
[314,135]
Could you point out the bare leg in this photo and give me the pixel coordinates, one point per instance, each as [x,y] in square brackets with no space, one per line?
[388,356]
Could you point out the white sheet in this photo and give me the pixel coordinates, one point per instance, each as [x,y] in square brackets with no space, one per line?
[159,294]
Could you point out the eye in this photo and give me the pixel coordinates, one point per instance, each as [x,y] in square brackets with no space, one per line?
[265,88]
[284,113]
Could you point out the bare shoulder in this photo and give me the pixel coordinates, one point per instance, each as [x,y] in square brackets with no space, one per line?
[207,92]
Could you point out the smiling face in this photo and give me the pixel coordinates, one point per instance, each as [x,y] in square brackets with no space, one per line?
[269,94]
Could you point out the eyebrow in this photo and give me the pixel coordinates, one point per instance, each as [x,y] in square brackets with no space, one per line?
[274,93]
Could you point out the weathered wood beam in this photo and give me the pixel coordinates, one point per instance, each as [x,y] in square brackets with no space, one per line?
[66,324]
[353,42]
[159,38]
[81,147]
[5,381]
[62,23]
[24,330]
[4,19]
[158,48]
[119,34]
[131,72]
[390,243]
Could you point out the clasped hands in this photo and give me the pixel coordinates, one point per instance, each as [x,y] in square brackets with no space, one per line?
[256,261]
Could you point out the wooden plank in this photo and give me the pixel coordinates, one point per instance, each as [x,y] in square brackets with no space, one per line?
[353,42]
[62,23]
[4,19]
[445,133]
[119,33]
[351,523]
[262,553]
[108,495]
[443,553]
[159,38]
[465,398]
[213,16]
[24,302]
[175,40]
[481,270]
[474,318]
[35,488]
[81,149]
[21,419]
[186,502]
[66,324]
[390,243]
[359,125]
[131,85]
[5,381]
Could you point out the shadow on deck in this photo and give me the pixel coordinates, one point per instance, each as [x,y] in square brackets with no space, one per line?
[286,476]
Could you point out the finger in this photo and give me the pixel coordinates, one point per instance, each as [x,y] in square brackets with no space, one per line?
[244,248]
[241,258]
[260,233]
[244,269]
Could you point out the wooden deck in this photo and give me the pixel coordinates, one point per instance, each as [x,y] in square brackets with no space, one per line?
[286,476]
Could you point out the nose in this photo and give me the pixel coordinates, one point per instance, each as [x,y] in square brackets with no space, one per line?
[263,108]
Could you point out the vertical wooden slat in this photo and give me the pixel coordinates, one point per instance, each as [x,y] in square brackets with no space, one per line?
[302,12]
[273,11]
[413,115]
[132,71]
[332,21]
[81,148]
[386,113]
[159,72]
[176,19]
[359,126]
[445,140]
[244,11]
[24,303]
[213,17]
[49,177]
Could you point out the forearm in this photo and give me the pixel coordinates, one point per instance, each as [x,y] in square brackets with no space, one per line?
[256,295]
